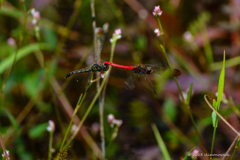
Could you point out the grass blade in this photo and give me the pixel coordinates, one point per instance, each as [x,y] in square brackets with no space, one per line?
[22,52]
[161,143]
[189,93]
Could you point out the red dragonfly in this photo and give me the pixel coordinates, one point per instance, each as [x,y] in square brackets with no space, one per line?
[143,70]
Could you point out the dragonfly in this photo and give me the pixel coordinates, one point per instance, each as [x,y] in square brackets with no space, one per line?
[143,70]
[97,66]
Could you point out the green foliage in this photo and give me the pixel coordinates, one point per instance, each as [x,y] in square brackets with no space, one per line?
[189,93]
[38,130]
[169,109]
[141,42]
[12,120]
[111,150]
[22,149]
[214,115]
[139,113]
[221,84]
[22,52]
[161,143]
[185,158]
[32,82]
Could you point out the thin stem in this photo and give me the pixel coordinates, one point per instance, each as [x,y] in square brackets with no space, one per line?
[50,145]
[86,113]
[219,115]
[71,122]
[196,130]
[175,79]
[161,29]
[214,135]
[184,101]
[3,146]
[97,50]
[231,147]
[70,24]
[235,149]
[207,46]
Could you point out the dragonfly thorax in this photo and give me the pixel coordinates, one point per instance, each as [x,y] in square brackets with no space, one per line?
[141,69]
[105,67]
[97,67]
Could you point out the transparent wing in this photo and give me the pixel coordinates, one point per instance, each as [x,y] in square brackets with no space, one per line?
[129,83]
[100,41]
[163,70]
[88,84]
[143,78]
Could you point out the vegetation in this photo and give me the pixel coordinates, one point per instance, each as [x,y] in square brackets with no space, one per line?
[49,112]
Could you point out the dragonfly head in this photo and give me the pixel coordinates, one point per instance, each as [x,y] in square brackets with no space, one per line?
[149,70]
[105,67]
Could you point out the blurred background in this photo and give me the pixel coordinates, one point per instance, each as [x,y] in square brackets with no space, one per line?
[34,90]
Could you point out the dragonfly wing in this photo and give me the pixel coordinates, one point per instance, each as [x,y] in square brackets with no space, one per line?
[149,83]
[88,84]
[100,41]
[129,83]
[145,80]
[160,70]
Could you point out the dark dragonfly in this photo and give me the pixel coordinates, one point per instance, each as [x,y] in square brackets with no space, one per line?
[90,69]
[96,67]
[142,71]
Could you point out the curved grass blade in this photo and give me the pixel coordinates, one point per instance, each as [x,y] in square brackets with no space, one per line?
[22,52]
[161,143]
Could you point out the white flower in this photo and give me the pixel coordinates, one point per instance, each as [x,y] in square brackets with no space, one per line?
[194,154]
[157,32]
[5,156]
[110,118]
[187,36]
[74,127]
[11,42]
[116,35]
[51,126]
[157,11]
[36,16]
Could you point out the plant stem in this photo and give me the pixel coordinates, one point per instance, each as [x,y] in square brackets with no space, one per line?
[73,116]
[207,46]
[70,24]
[213,139]
[50,146]
[180,91]
[161,29]
[86,114]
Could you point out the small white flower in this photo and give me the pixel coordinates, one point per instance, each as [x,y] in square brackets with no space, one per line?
[74,127]
[194,154]
[118,122]
[157,32]
[110,118]
[185,94]
[102,75]
[36,16]
[51,126]
[116,35]
[157,11]
[11,42]
[187,36]
[5,156]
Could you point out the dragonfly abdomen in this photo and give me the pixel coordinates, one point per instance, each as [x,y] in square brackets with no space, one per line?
[74,72]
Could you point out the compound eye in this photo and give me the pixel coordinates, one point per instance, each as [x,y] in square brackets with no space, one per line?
[149,70]
[105,67]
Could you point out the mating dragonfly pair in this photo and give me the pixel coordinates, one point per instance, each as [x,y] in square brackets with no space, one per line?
[136,70]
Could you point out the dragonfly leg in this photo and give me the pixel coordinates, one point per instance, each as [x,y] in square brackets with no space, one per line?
[150,83]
